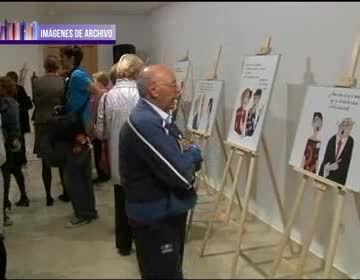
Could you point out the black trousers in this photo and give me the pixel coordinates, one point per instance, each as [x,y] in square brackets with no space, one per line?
[123,232]
[47,178]
[78,184]
[7,170]
[160,248]
[3,258]
[22,151]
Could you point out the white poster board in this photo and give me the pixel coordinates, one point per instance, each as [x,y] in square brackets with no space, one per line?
[327,137]
[181,69]
[256,83]
[204,106]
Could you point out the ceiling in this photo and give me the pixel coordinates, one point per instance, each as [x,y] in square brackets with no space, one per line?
[110,8]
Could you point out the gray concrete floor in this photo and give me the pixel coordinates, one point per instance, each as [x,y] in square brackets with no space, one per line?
[39,247]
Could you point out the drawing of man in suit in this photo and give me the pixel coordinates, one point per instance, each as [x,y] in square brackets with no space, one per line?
[209,110]
[198,111]
[254,114]
[335,165]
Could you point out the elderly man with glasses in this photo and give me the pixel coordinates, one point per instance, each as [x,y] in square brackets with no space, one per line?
[157,172]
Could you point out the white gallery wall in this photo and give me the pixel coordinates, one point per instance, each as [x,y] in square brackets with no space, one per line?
[315,42]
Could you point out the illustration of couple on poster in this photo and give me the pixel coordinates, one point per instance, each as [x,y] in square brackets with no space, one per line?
[202,113]
[246,120]
[338,153]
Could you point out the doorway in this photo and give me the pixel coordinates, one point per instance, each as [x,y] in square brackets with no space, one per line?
[90,59]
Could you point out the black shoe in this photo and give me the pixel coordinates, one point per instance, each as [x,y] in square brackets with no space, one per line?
[7,221]
[124,252]
[64,197]
[49,201]
[101,179]
[8,205]
[23,202]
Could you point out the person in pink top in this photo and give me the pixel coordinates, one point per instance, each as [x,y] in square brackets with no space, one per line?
[100,146]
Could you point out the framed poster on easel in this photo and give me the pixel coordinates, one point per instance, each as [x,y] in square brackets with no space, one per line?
[327,137]
[326,153]
[254,94]
[204,107]
[255,87]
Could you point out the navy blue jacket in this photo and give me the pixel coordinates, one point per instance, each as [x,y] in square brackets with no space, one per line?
[156,173]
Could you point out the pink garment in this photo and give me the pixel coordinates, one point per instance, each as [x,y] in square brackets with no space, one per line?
[103,90]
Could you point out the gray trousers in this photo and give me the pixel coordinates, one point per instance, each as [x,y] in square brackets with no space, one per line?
[79,186]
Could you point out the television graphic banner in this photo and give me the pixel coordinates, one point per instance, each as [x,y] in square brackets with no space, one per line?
[35,33]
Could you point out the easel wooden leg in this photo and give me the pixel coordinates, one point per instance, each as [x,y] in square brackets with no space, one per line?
[202,142]
[218,199]
[190,222]
[191,216]
[205,179]
[286,235]
[200,178]
[334,233]
[234,190]
[243,215]
[311,232]
[238,198]
[275,186]
[183,112]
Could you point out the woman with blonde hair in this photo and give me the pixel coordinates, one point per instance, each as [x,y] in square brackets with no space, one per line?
[114,109]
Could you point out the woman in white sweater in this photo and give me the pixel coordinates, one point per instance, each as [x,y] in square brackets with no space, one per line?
[113,111]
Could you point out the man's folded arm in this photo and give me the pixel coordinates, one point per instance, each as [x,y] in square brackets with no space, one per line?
[168,163]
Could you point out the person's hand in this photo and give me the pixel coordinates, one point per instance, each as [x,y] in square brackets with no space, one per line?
[195,152]
[186,144]
[326,170]
[331,167]
[334,166]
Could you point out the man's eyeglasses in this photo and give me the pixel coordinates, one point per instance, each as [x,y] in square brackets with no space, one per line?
[174,84]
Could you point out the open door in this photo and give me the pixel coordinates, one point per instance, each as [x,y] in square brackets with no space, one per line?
[90,59]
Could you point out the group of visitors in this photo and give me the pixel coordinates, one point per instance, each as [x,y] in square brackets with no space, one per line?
[125,117]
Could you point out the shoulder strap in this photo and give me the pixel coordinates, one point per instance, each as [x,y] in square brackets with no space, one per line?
[157,153]
[67,81]
[104,116]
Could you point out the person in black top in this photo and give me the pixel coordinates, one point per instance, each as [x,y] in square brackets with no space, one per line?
[14,158]
[9,140]
[25,104]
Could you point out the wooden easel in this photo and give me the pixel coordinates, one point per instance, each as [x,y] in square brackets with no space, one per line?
[181,105]
[202,140]
[244,154]
[23,74]
[322,185]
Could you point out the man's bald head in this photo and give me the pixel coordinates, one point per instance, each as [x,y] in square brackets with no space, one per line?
[157,84]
